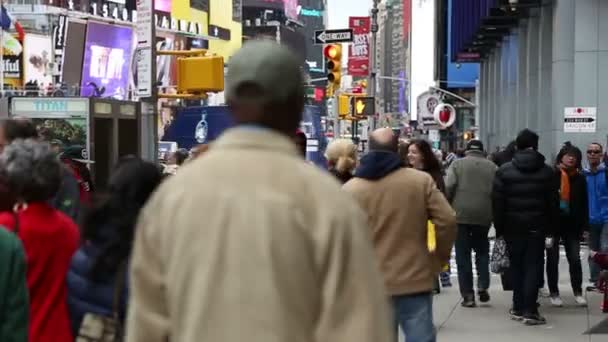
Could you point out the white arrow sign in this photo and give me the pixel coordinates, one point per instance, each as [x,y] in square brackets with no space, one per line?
[333,36]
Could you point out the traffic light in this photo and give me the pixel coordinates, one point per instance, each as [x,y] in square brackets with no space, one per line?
[363,106]
[200,74]
[333,54]
[468,136]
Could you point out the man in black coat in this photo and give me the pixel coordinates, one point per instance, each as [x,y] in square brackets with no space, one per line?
[526,210]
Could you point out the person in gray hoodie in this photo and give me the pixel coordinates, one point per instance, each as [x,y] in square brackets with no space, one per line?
[469,191]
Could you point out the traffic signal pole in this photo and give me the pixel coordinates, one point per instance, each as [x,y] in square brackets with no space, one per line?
[147,88]
[372,59]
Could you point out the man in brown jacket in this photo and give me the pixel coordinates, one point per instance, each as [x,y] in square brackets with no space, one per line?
[250,243]
[399,203]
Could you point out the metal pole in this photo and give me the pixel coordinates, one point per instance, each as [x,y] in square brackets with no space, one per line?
[2,57]
[149,105]
[372,59]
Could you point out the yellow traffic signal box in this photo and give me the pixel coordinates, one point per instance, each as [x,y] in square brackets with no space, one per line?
[200,74]
[344,105]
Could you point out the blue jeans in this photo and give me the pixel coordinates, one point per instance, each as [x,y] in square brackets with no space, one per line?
[472,238]
[598,241]
[414,313]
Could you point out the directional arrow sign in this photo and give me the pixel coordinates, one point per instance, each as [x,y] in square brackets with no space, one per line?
[363,106]
[580,120]
[333,36]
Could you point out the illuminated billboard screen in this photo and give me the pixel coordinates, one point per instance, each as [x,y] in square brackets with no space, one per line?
[107,59]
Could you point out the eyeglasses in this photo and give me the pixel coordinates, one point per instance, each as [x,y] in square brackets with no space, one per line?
[594,152]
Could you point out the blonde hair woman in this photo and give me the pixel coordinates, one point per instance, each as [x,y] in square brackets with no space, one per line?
[341,158]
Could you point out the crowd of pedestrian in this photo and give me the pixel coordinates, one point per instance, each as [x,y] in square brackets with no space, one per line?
[245,233]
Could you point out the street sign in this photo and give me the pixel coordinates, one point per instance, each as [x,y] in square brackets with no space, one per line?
[580,119]
[363,106]
[333,36]
[144,57]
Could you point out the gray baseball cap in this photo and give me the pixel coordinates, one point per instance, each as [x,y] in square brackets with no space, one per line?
[272,67]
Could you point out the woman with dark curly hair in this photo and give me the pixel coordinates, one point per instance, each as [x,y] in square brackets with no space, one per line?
[97,280]
[49,237]
[420,156]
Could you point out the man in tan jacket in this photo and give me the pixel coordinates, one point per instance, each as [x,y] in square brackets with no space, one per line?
[250,243]
[399,203]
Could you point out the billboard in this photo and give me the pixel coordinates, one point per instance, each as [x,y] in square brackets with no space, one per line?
[290,7]
[107,58]
[459,75]
[73,57]
[358,51]
[37,54]
[312,14]
[163,5]
[423,37]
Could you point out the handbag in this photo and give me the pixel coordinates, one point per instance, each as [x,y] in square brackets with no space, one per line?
[499,260]
[100,328]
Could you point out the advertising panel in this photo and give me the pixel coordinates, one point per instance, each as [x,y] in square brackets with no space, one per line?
[358,51]
[12,66]
[73,57]
[423,51]
[37,54]
[107,59]
[460,75]
[312,14]
[162,5]
[64,119]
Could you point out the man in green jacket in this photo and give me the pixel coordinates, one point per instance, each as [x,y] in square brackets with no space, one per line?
[13,290]
[469,191]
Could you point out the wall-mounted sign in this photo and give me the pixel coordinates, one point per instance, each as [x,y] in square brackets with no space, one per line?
[237,10]
[164,20]
[12,66]
[47,107]
[219,32]
[580,120]
[308,12]
[445,115]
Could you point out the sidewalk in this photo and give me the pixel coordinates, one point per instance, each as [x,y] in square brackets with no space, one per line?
[491,322]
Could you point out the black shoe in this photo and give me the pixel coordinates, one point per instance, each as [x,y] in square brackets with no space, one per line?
[469,301]
[516,315]
[534,319]
[484,296]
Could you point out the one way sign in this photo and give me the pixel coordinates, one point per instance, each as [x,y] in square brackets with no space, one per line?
[333,36]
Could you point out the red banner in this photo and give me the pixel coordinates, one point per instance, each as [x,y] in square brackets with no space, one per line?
[359,49]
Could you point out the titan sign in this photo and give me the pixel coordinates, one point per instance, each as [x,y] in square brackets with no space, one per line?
[307,12]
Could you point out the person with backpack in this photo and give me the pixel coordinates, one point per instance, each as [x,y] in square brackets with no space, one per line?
[597,195]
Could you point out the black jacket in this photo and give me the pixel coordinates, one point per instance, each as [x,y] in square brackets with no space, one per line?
[525,196]
[577,220]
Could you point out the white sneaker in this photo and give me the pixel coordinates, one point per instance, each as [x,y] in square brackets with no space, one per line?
[580,300]
[544,293]
[557,301]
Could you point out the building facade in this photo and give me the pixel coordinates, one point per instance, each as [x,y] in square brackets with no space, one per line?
[536,61]
[393,57]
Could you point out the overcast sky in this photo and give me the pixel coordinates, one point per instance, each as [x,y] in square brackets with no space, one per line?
[340,10]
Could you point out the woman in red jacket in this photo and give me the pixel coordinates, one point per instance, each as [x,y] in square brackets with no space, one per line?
[49,237]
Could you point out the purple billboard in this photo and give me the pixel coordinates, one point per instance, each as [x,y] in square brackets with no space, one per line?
[107,58]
